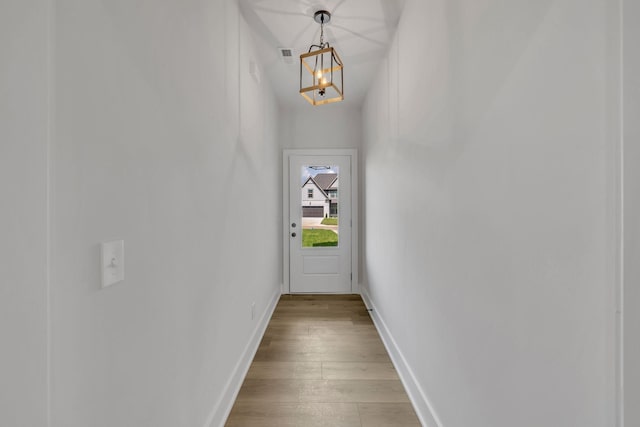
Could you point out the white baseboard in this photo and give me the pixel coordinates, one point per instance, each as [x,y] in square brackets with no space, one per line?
[221,410]
[421,404]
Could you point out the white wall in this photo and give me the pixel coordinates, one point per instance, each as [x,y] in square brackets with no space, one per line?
[24,88]
[490,255]
[325,126]
[161,135]
[631,213]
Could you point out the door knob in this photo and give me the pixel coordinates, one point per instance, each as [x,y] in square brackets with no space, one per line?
[293,234]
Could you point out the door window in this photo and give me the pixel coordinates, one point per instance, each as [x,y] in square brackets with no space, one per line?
[320,207]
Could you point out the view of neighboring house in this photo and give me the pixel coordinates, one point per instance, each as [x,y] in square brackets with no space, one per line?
[320,196]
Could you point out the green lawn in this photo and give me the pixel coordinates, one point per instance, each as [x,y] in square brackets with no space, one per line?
[330,221]
[312,238]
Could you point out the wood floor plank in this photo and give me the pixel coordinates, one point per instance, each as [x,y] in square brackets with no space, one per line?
[358,371]
[318,391]
[370,391]
[341,329]
[329,340]
[329,344]
[314,354]
[321,363]
[388,414]
[285,370]
[294,415]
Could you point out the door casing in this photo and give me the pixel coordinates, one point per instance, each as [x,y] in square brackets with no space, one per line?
[351,152]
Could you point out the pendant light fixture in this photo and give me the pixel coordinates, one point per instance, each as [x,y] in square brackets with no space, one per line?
[321,80]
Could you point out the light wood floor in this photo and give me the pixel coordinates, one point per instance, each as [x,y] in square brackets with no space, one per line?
[322,363]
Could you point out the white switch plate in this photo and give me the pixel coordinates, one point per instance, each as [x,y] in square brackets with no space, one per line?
[112,262]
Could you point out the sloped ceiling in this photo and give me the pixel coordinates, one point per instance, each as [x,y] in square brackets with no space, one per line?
[360,30]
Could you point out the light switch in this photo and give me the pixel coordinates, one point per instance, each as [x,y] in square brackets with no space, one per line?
[112,262]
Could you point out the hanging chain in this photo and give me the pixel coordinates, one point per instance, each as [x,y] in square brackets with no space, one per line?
[322,30]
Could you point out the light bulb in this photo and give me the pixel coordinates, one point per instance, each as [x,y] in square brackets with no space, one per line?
[318,74]
[323,81]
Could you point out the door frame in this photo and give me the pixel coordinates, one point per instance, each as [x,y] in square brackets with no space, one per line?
[353,154]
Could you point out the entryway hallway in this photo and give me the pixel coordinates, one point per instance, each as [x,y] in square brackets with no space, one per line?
[322,363]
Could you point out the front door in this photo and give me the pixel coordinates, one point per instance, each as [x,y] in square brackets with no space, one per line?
[320,224]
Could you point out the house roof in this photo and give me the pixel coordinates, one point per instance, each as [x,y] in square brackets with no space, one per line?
[315,184]
[325,180]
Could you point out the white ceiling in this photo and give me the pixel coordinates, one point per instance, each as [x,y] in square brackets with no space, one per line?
[360,30]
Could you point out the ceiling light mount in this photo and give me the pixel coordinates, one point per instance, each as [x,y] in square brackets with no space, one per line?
[322,17]
[321,79]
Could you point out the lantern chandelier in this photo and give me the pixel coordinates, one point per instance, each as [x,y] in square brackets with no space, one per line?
[321,80]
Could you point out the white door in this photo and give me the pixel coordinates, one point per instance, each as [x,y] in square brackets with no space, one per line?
[320,221]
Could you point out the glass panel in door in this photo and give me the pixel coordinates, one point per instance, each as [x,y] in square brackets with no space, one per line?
[319,205]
